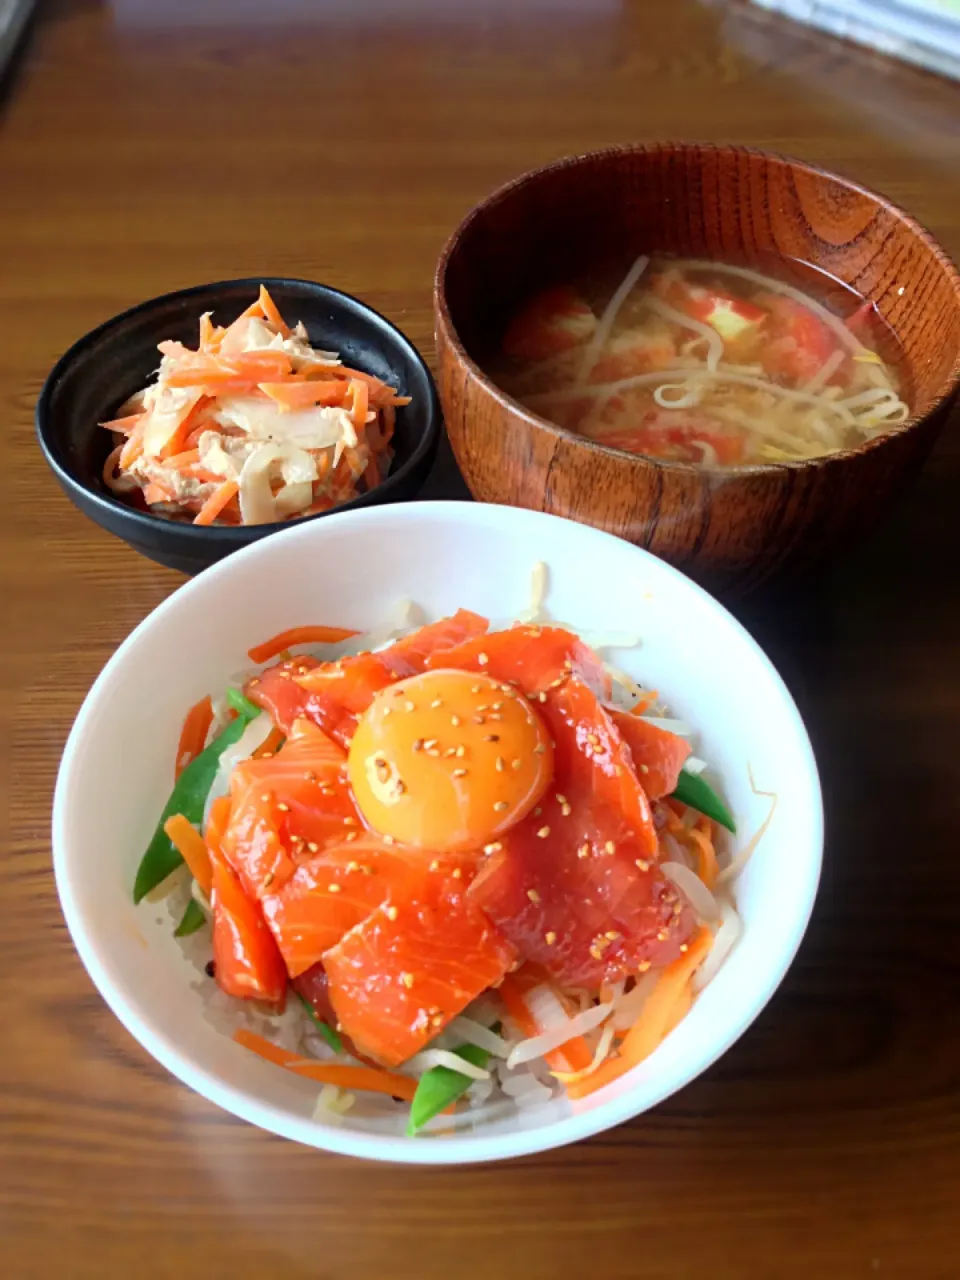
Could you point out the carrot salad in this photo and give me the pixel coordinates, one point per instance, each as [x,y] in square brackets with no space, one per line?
[252,427]
[465,866]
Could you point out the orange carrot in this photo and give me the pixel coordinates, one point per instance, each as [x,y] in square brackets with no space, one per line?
[123,425]
[180,461]
[646,700]
[156,491]
[217,822]
[707,866]
[345,1076]
[211,335]
[371,473]
[133,448]
[270,746]
[216,502]
[657,1018]
[361,399]
[193,735]
[298,635]
[574,1055]
[191,846]
[295,393]
[389,422]
[271,312]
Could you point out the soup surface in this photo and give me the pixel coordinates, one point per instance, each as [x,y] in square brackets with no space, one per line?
[703,362]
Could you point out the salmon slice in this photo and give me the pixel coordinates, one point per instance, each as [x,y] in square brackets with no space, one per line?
[534,659]
[343,690]
[287,806]
[285,701]
[334,890]
[247,963]
[575,885]
[657,754]
[552,322]
[399,977]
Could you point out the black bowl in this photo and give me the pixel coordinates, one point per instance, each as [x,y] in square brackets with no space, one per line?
[101,371]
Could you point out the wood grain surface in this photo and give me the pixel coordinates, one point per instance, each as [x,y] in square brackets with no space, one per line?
[147,145]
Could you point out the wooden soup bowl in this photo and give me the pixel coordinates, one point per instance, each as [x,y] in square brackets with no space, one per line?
[731,528]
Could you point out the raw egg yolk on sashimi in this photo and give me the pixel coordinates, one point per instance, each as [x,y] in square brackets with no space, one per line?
[448,760]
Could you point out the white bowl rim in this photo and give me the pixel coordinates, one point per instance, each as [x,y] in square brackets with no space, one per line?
[460,1149]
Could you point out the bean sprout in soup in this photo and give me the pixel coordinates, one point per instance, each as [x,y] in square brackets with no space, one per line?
[704,362]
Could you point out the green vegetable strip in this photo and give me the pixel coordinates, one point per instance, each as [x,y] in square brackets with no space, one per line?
[193,919]
[188,797]
[328,1033]
[699,795]
[440,1086]
[242,704]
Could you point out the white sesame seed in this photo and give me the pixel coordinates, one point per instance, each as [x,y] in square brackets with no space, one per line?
[539,749]
[610,847]
[284,808]
[457,873]
[644,768]
[333,888]
[458,773]
[460,751]
[644,866]
[533,895]
[543,832]
[437,702]
[550,938]
[482,659]
[407,980]
[391,913]
[312,846]
[500,806]
[583,851]
[409,706]
[501,764]
[455,721]
[495,847]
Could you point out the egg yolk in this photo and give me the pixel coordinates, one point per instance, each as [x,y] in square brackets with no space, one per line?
[448,760]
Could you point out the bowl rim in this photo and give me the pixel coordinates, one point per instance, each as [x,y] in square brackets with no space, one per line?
[462,1148]
[506,190]
[234,535]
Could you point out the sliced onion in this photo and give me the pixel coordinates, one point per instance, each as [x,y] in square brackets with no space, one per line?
[293,498]
[430,1058]
[474,1033]
[693,889]
[253,736]
[599,1055]
[555,1036]
[727,937]
[519,1083]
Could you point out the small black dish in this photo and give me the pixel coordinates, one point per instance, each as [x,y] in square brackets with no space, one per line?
[103,369]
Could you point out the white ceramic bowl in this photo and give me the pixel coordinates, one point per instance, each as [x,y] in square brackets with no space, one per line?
[349,570]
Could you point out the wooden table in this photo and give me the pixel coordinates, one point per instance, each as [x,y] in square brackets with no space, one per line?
[153,144]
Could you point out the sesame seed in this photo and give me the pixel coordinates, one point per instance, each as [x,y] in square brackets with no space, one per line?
[566,810]
[255,680]
[333,888]
[643,966]
[268,880]
[541,697]
[482,659]
[417,746]
[391,913]
[644,768]
[435,865]
[593,740]
[284,808]
[409,706]
[501,764]
[493,848]
[479,719]
[550,938]
[312,846]
[500,806]
[455,721]
[537,811]
[460,751]
[539,749]
[387,710]
[265,797]
[662,935]
[612,935]
[351,835]
[477,688]
[684,946]
[433,751]
[407,980]
[352,822]
[561,799]
[498,706]
[491,737]
[543,833]
[596,953]
[644,866]
[385,839]
[284,675]
[484,706]
[352,866]
[457,873]
[517,764]
[533,895]
[583,851]
[495,715]
[430,742]
[437,1020]
[677,908]
[437,702]
[458,773]
[266,755]
[450,751]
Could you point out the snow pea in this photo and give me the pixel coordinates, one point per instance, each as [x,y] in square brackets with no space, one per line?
[189,796]
[328,1033]
[698,794]
[192,919]
[441,1086]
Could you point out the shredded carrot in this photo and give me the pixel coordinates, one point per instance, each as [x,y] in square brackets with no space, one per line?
[217,822]
[647,698]
[192,847]
[573,1055]
[156,491]
[271,312]
[298,635]
[193,735]
[216,502]
[708,867]
[656,1018]
[361,399]
[270,746]
[179,461]
[389,422]
[211,335]
[345,1076]
[133,447]
[254,310]
[297,394]
[123,425]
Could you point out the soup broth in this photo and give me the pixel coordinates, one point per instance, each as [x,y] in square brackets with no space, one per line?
[704,362]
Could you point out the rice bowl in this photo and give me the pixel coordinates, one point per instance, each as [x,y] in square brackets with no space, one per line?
[441,555]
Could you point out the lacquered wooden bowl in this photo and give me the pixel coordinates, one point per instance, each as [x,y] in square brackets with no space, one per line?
[728,527]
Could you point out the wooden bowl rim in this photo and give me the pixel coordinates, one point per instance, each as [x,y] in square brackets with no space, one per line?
[531,176]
